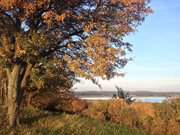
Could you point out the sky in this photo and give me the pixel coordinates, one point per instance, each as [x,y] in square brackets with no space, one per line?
[156,53]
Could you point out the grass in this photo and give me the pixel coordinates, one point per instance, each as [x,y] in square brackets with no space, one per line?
[36,122]
[101,118]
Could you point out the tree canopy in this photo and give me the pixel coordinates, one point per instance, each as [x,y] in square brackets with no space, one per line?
[82,37]
[87,34]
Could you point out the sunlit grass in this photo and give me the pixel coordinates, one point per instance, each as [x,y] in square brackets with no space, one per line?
[36,122]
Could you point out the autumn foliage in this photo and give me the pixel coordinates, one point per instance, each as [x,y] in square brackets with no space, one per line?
[153,119]
[85,35]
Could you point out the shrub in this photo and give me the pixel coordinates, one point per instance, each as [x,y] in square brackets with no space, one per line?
[115,106]
[97,110]
[144,109]
[166,118]
[120,112]
[58,101]
[145,112]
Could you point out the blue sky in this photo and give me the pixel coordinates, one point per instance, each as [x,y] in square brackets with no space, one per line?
[157,43]
[156,53]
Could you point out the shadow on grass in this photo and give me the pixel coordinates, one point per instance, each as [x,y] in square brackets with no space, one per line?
[29,119]
[45,131]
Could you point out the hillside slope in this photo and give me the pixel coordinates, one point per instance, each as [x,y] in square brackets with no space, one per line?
[35,122]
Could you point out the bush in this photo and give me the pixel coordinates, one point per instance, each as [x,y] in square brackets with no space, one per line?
[120,112]
[115,106]
[63,101]
[166,118]
[154,119]
[145,112]
[97,110]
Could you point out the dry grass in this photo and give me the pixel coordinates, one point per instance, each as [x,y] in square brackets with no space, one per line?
[155,119]
[103,118]
[36,122]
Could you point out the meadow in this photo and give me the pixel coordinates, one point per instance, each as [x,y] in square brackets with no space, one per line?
[114,117]
[37,122]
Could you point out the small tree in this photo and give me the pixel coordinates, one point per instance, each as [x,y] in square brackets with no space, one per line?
[124,95]
[87,34]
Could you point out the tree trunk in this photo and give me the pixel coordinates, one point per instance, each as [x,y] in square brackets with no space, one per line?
[17,80]
[29,97]
[1,94]
[3,91]
[14,96]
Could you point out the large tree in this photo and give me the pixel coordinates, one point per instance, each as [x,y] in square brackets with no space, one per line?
[87,35]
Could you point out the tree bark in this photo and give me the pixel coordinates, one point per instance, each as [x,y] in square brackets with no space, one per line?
[3,88]
[17,80]
[1,95]
[14,98]
[29,97]
[3,92]
[26,75]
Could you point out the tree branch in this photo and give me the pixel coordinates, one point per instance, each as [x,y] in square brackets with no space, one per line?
[8,72]
[16,25]
[26,75]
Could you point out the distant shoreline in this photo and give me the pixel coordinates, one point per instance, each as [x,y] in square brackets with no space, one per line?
[137,99]
[133,93]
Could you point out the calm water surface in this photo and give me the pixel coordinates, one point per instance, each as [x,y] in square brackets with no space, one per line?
[138,99]
[151,99]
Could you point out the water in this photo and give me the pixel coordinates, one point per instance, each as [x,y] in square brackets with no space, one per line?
[96,98]
[150,99]
[138,99]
